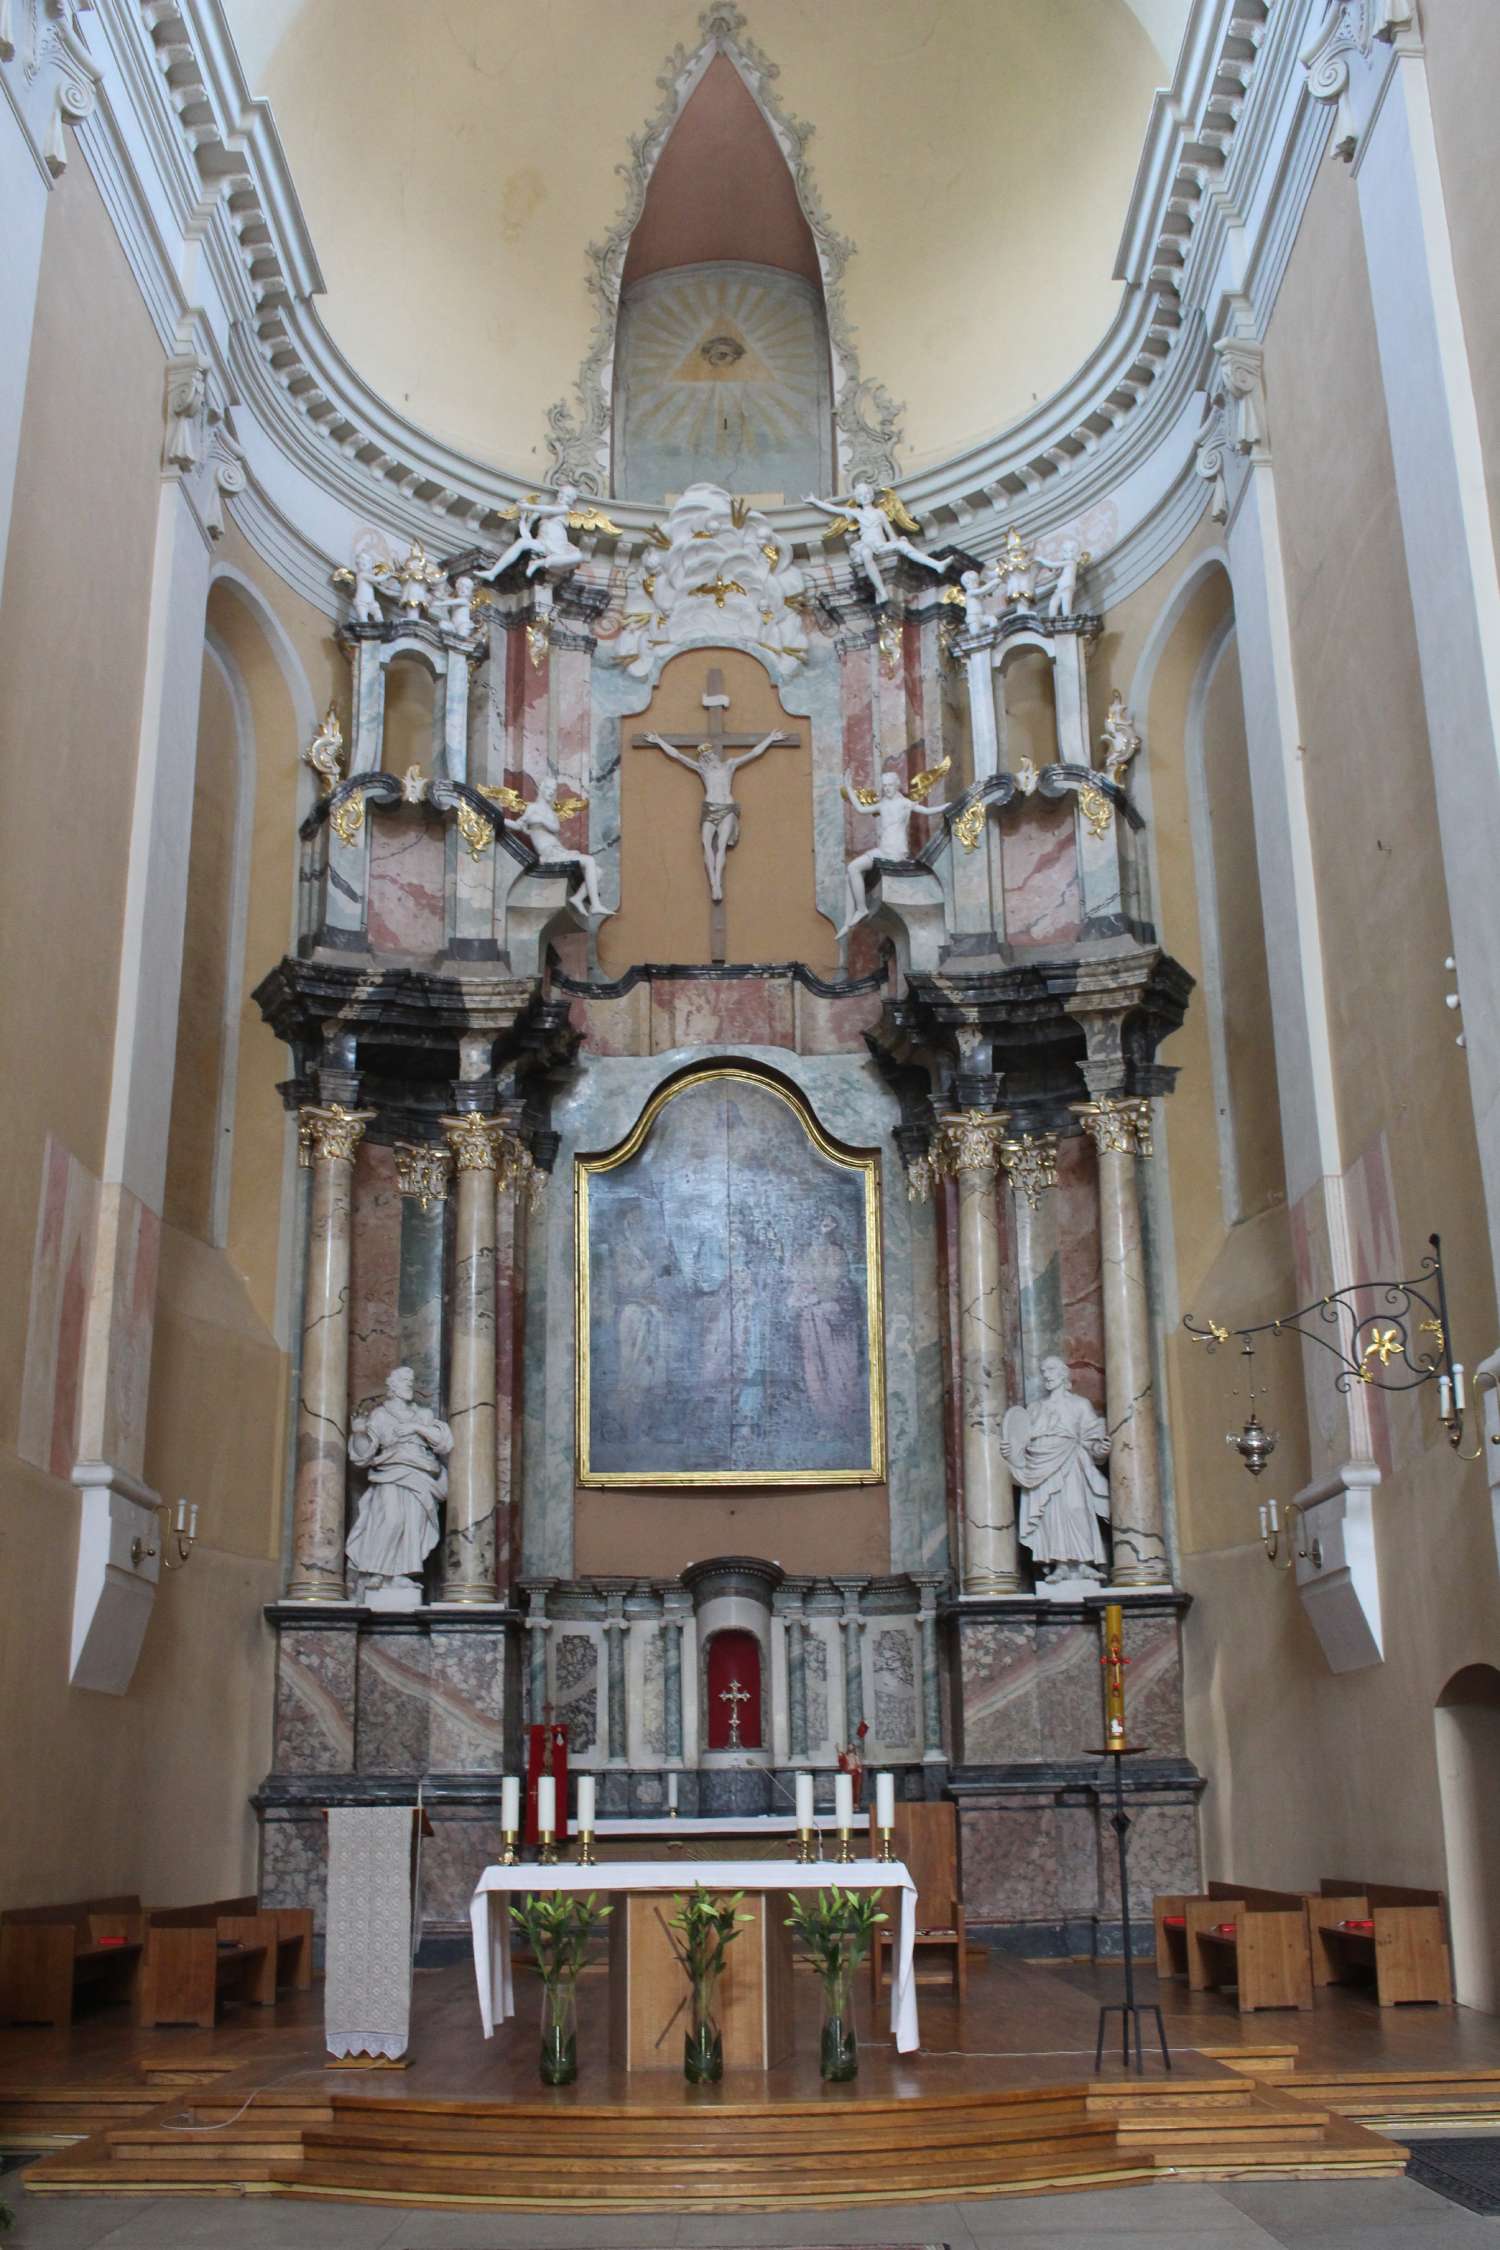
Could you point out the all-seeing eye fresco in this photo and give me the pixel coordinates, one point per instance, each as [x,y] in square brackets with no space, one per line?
[729,1296]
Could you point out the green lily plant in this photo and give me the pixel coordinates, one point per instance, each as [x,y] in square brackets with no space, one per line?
[836,1927]
[708,1923]
[558,1926]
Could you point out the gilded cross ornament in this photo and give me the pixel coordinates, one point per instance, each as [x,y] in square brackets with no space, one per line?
[1118,1127]
[331,1135]
[1030,1161]
[969,1141]
[422,1171]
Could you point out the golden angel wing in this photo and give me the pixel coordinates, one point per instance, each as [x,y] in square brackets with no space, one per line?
[922,785]
[343,576]
[565,807]
[509,800]
[953,594]
[899,513]
[591,519]
[841,526]
[868,796]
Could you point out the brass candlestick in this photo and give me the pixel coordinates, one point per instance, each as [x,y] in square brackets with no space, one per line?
[509,1856]
[845,1853]
[547,1853]
[586,1847]
[807,1845]
[886,1849]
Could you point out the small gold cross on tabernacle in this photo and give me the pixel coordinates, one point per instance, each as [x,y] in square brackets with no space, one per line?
[734,1695]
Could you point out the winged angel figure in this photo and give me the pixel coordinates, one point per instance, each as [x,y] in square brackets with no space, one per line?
[540,822]
[410,583]
[543,530]
[879,528]
[893,809]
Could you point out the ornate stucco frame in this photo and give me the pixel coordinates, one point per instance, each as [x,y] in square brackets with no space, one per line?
[866,419]
[867,1164]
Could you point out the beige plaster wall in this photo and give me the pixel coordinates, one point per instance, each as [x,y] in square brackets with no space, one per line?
[1461,39]
[454,185]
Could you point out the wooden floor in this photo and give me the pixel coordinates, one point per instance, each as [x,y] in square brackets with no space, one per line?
[1002,2096]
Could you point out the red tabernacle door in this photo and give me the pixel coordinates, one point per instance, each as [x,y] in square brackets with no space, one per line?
[734,1688]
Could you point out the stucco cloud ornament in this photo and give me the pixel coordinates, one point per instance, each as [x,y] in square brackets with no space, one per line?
[719,573]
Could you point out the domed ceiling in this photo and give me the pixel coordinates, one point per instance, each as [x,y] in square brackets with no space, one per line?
[456,159]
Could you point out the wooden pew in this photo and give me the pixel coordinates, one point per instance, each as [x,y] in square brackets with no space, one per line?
[1398,1934]
[48,1954]
[1237,1934]
[197,1955]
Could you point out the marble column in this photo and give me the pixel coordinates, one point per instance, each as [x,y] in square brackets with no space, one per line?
[854,1669]
[478,1144]
[967,1148]
[671,1682]
[1030,1161]
[327,1140]
[536,1654]
[932,1693]
[1121,1131]
[614,1640]
[796,1684]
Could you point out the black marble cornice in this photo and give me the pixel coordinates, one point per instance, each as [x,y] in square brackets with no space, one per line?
[1033,1609]
[411,1009]
[1081,1778]
[712,972]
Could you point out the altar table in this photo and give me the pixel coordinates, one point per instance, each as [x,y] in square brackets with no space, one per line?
[489,1915]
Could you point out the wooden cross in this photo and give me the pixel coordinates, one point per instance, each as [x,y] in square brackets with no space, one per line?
[734,1695]
[715,701]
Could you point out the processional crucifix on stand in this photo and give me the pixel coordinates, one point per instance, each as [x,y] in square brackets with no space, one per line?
[712,762]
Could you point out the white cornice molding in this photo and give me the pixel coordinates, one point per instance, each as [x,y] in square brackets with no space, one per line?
[49,78]
[193,172]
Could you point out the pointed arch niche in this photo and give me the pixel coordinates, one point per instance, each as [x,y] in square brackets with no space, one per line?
[721,370]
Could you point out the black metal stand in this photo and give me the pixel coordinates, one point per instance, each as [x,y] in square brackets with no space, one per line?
[1131,2010]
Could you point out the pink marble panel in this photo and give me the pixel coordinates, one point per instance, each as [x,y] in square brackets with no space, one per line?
[535,686]
[61,1282]
[315,1697]
[1153,1683]
[468,1702]
[1078,1251]
[913,681]
[860,760]
[704,1011]
[294,1864]
[835,1027]
[394,1698]
[375,1274]
[1164,1856]
[1039,856]
[460,1848]
[1009,1861]
[572,693]
[407,847]
[999,1721]
[1070,1691]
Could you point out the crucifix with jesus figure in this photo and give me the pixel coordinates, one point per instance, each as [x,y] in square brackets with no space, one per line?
[712,761]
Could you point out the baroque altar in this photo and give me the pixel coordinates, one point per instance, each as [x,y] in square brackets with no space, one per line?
[729,1309]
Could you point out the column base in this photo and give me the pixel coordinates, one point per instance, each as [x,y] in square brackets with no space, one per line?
[986,1589]
[468,1597]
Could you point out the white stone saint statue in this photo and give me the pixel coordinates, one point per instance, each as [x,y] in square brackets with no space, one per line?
[540,822]
[715,768]
[1054,1449]
[892,809]
[880,527]
[403,1447]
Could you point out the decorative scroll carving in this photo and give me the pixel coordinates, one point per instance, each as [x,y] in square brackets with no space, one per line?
[1349,28]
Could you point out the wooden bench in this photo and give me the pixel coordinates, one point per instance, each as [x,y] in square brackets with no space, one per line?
[196,1956]
[1236,1934]
[1400,1936]
[49,1954]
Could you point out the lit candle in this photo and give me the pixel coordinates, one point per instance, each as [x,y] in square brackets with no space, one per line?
[1460,1394]
[885,1800]
[804,1800]
[843,1800]
[671,1792]
[586,1801]
[510,1803]
[546,1804]
[1114,1673]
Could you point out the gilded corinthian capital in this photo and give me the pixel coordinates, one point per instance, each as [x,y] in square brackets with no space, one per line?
[969,1141]
[486,1144]
[1119,1128]
[1030,1161]
[331,1135]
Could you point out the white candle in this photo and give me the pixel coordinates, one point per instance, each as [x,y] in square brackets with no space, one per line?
[843,1800]
[885,1800]
[586,1801]
[804,1800]
[546,1805]
[182,1515]
[1445,1397]
[671,1792]
[1460,1394]
[510,1803]
[193,1521]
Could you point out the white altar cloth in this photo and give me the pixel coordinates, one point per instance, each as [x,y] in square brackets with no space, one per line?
[489,1916]
[752,1824]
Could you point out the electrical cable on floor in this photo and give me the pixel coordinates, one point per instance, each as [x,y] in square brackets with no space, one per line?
[308,2070]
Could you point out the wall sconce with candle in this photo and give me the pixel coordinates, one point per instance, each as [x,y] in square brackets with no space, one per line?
[176,1538]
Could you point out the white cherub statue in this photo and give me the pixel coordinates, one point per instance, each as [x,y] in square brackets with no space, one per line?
[457,608]
[978,616]
[364,576]
[542,533]
[881,528]
[540,822]
[1120,739]
[1064,597]
[893,809]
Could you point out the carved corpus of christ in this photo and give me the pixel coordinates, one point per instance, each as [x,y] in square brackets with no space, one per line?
[715,763]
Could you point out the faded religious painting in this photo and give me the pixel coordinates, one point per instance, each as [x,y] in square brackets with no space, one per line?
[729,1297]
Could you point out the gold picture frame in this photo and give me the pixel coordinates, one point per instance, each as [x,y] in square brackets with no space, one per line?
[863,1166]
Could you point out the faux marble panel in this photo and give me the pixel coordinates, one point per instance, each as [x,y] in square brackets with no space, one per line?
[1071,1691]
[615,1027]
[1009,1862]
[315,1702]
[700,1011]
[650,1710]
[1163,1857]
[574,1665]
[1000,1688]
[375,1344]
[1079,1833]
[462,1845]
[407,852]
[1039,854]
[294,1864]
[1153,1683]
[61,1279]
[468,1701]
[819,1723]
[394,1694]
[892,1670]
[835,1027]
